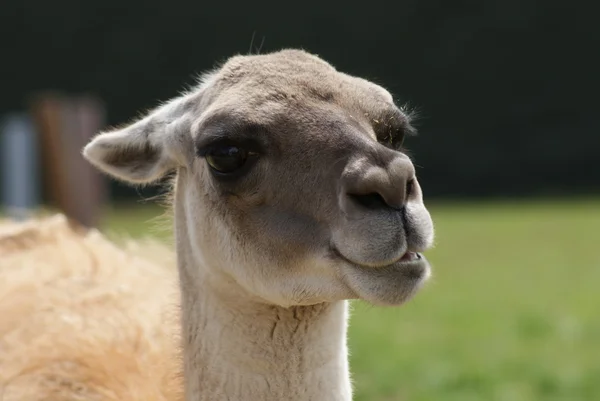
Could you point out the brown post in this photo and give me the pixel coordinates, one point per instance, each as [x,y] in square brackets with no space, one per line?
[66,125]
[47,112]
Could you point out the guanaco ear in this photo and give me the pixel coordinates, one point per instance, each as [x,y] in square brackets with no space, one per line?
[148,149]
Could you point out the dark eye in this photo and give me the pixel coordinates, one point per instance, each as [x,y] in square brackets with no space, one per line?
[226,159]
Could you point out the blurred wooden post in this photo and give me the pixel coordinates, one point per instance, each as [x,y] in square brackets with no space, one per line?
[19,166]
[87,116]
[47,113]
[67,124]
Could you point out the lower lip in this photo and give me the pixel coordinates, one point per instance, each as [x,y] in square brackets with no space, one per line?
[413,266]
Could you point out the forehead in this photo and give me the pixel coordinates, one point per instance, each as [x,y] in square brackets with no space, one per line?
[295,87]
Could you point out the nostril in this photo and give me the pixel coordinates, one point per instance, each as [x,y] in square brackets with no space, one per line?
[370,201]
[410,187]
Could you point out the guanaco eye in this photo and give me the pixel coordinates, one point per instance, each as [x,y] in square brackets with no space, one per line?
[226,159]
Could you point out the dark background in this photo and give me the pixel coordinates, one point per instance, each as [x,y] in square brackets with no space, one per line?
[507,90]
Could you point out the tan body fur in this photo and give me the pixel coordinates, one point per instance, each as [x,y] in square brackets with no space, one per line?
[83,319]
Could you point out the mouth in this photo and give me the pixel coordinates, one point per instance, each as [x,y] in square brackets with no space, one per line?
[409,257]
[390,284]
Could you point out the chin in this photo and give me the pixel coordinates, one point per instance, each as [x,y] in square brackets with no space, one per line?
[390,285]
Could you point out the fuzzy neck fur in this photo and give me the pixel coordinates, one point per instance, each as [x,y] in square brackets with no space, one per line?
[238,349]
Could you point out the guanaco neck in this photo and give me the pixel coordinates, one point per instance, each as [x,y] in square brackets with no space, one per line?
[238,349]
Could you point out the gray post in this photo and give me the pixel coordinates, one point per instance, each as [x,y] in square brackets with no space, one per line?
[19,175]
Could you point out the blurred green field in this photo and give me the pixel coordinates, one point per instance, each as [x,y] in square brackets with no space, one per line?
[512,312]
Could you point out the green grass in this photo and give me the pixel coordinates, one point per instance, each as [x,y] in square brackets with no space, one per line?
[512,312]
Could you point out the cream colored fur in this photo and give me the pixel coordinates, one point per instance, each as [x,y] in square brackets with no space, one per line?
[84,319]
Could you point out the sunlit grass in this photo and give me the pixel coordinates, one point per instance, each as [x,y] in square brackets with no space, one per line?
[511,313]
